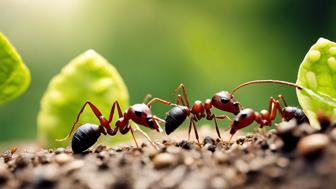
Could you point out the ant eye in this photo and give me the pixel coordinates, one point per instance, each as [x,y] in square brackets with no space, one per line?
[243,115]
[225,100]
[138,113]
[150,121]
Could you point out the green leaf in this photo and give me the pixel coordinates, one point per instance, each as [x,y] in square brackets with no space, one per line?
[14,75]
[317,74]
[87,77]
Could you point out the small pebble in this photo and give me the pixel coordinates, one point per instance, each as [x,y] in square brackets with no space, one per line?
[304,130]
[63,158]
[218,183]
[22,161]
[221,157]
[264,144]
[241,166]
[164,160]
[103,155]
[103,165]
[288,132]
[274,172]
[185,145]
[286,127]
[312,144]
[282,162]
[189,161]
[241,140]
[100,148]
[43,159]
[333,134]
[173,149]
[59,150]
[208,140]
[74,166]
[4,173]
[256,164]
[212,148]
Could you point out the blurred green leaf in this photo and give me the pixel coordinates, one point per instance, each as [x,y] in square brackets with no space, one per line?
[87,77]
[317,73]
[14,75]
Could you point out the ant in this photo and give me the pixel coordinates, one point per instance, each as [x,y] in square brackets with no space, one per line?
[87,134]
[224,101]
[265,117]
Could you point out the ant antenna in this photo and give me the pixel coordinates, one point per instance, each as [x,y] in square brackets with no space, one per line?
[267,81]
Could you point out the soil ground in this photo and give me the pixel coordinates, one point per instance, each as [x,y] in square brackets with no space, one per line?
[290,156]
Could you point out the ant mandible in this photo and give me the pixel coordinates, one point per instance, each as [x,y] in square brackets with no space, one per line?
[265,117]
[87,134]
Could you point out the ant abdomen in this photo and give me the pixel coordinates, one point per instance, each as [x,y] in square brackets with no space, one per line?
[84,137]
[175,117]
[290,112]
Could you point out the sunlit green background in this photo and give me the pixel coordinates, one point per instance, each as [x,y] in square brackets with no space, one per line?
[207,45]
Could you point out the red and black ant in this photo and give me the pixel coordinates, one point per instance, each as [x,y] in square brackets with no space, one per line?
[265,117]
[87,134]
[176,116]
[224,101]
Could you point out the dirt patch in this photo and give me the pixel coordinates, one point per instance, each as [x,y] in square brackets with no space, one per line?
[292,156]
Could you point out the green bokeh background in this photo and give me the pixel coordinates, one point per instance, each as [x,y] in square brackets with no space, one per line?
[155,44]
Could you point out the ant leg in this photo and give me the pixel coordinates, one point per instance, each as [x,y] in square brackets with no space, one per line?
[125,130]
[159,120]
[158,100]
[116,103]
[220,117]
[196,133]
[230,138]
[147,97]
[217,129]
[146,136]
[224,117]
[179,100]
[114,131]
[95,111]
[181,86]
[274,106]
[283,100]
[136,143]
[189,130]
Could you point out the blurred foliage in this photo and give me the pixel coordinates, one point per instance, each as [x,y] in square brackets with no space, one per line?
[87,77]
[317,75]
[209,46]
[14,74]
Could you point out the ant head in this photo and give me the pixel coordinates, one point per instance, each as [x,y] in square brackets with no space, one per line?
[243,119]
[141,114]
[226,102]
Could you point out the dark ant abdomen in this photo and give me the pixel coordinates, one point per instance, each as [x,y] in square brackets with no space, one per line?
[294,112]
[175,117]
[84,137]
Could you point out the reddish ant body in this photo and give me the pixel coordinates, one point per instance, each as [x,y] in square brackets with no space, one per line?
[265,117]
[225,101]
[87,134]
